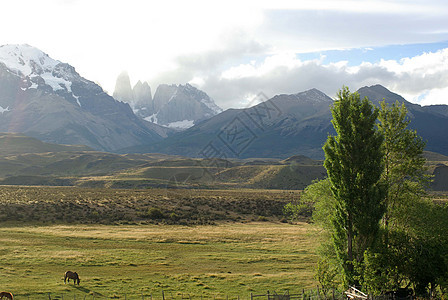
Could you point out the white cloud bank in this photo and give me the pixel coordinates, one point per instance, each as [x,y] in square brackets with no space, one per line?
[422,79]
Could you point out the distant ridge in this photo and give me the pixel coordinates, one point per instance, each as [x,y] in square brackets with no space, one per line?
[15,144]
[431,124]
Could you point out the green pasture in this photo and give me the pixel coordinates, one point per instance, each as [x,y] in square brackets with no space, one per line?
[142,260]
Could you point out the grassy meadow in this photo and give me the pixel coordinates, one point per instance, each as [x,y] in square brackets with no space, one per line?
[113,260]
[210,243]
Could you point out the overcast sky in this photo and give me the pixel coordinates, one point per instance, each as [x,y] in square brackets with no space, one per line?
[235,49]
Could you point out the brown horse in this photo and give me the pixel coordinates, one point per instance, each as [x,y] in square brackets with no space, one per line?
[71,275]
[6,295]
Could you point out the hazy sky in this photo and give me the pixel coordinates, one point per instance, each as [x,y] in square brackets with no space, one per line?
[235,49]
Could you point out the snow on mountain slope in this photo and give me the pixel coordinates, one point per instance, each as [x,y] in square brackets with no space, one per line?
[26,59]
[185,124]
[181,103]
[31,62]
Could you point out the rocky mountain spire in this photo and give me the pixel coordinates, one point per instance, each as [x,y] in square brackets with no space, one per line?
[143,105]
[123,90]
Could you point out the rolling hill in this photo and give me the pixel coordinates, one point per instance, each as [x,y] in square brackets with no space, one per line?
[28,161]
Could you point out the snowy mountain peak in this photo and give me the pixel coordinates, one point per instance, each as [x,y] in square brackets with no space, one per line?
[204,98]
[26,59]
[314,95]
[29,62]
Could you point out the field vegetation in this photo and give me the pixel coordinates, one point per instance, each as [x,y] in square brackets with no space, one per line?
[218,242]
[56,205]
[210,260]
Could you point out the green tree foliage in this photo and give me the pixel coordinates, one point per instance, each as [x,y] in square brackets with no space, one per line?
[412,253]
[327,275]
[411,245]
[320,194]
[426,224]
[329,271]
[314,194]
[354,163]
[404,164]
[416,253]
[295,211]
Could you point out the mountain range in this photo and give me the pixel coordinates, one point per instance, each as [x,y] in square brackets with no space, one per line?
[286,125]
[280,127]
[47,99]
[174,106]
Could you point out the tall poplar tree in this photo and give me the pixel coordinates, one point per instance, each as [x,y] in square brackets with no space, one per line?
[404,172]
[354,163]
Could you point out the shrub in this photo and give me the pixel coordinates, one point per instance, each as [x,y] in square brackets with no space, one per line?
[293,211]
[155,213]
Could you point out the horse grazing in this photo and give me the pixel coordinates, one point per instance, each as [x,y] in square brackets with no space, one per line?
[71,275]
[6,295]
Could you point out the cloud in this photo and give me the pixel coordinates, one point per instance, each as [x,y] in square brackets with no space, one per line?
[203,42]
[236,46]
[263,58]
[422,79]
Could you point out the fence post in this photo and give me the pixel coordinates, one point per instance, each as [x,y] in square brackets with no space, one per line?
[163,295]
[49,296]
[251,296]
